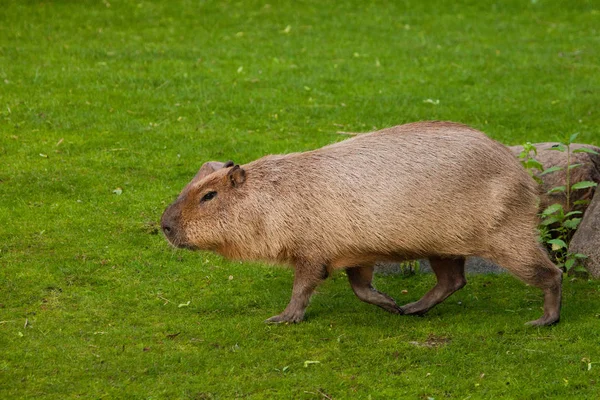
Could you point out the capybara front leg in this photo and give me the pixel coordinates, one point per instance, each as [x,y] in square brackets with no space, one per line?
[450,274]
[306,279]
[360,279]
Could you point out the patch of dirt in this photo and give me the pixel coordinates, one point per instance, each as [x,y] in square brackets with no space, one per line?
[433,341]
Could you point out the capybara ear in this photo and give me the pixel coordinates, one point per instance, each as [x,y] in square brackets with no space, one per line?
[209,167]
[228,164]
[236,176]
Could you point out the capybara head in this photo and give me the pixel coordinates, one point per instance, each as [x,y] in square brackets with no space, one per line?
[198,219]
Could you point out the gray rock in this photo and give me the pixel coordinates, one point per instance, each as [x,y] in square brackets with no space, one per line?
[474,265]
[587,238]
[588,171]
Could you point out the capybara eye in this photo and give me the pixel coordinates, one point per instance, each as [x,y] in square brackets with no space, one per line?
[208,196]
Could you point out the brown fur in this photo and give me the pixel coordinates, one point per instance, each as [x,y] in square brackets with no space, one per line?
[430,189]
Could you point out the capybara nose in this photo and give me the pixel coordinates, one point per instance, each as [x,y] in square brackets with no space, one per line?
[167,222]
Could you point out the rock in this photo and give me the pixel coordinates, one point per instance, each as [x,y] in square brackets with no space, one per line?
[394,268]
[589,229]
[474,265]
[588,171]
[587,238]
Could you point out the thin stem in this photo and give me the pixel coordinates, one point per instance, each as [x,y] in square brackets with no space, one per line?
[568,177]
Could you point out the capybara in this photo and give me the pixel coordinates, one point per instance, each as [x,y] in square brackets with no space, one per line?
[436,190]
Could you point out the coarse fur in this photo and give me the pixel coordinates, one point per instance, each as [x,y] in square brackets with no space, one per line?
[437,190]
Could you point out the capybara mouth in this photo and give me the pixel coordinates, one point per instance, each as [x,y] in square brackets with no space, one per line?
[188,246]
[180,244]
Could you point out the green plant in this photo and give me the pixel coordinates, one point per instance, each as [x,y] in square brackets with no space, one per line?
[409,267]
[527,158]
[558,223]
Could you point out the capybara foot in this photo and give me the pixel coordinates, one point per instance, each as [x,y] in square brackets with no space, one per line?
[394,309]
[413,309]
[286,318]
[545,320]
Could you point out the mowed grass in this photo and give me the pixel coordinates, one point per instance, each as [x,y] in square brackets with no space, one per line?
[105,97]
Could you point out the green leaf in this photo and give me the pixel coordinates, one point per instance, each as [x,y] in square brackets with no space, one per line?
[569,263]
[552,209]
[579,202]
[550,221]
[583,185]
[558,147]
[532,163]
[579,268]
[557,189]
[579,255]
[309,362]
[572,223]
[557,244]
[572,213]
[585,150]
[551,169]
[574,166]
[573,137]
[528,148]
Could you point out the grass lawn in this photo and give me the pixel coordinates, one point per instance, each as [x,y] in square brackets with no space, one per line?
[108,108]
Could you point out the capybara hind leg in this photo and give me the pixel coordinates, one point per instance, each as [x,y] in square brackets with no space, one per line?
[450,274]
[360,279]
[535,268]
[307,277]
[552,298]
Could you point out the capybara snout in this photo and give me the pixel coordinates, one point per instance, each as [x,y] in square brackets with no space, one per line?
[169,224]
[436,190]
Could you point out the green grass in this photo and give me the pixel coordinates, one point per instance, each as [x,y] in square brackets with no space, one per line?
[100,95]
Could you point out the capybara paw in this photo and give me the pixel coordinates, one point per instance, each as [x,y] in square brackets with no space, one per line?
[545,320]
[413,309]
[284,318]
[395,309]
